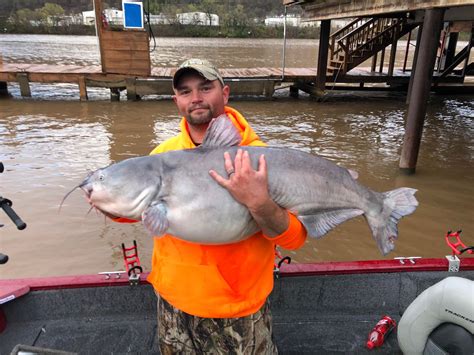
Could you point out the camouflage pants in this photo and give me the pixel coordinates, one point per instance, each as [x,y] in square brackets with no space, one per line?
[182,333]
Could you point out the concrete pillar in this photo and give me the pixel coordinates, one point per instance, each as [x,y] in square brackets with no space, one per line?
[421,89]
[269,88]
[323,55]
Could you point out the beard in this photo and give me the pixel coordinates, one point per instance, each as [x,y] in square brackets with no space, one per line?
[204,116]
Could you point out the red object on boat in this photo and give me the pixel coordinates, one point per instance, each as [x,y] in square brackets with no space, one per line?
[454,242]
[381,330]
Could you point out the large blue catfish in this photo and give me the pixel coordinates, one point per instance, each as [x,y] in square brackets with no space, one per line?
[173,192]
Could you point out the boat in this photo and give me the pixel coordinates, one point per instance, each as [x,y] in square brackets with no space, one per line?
[318,308]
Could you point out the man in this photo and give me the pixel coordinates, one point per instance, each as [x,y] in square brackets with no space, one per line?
[212,298]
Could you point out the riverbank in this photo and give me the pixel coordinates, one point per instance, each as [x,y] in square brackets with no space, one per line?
[176,30]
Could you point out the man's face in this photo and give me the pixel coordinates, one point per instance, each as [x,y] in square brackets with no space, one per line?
[200,100]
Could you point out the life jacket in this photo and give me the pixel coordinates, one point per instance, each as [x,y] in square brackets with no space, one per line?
[218,281]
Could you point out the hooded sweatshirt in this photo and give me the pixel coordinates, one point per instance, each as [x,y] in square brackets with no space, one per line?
[218,281]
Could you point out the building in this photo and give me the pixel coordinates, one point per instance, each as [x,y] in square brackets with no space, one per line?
[291,20]
[198,18]
[160,19]
[112,16]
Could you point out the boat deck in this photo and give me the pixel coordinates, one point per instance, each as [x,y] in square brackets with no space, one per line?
[315,314]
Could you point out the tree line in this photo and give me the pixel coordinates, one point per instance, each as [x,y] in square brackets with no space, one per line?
[237,18]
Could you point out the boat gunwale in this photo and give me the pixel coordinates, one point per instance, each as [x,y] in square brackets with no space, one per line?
[286,270]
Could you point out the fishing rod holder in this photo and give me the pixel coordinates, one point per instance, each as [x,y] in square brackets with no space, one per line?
[6,206]
[453,239]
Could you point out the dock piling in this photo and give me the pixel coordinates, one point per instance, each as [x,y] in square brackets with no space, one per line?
[24,82]
[131,89]
[294,91]
[420,91]
[82,88]
[323,56]
[114,94]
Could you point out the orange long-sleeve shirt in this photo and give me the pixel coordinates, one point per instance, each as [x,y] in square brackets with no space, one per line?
[218,281]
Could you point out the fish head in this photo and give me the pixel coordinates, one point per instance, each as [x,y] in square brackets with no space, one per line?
[120,190]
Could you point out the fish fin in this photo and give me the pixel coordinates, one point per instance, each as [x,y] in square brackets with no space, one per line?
[354,174]
[155,220]
[396,204]
[319,223]
[221,133]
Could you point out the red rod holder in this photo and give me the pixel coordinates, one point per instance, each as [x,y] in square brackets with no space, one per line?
[453,239]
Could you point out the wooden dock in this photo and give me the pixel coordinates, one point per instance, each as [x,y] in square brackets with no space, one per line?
[243,81]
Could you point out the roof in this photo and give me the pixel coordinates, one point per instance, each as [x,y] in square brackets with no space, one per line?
[333,9]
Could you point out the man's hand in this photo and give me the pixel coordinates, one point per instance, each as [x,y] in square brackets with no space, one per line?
[250,188]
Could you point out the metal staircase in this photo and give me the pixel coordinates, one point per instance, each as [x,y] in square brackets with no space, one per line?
[361,39]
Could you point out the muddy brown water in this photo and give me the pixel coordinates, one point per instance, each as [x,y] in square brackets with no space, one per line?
[49,143]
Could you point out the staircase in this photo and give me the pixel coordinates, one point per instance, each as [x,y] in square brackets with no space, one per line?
[361,39]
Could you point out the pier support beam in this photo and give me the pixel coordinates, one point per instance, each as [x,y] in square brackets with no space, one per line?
[451,50]
[421,89]
[82,89]
[393,53]
[132,89]
[294,91]
[382,59]
[3,89]
[114,94]
[323,56]
[413,66]
[22,79]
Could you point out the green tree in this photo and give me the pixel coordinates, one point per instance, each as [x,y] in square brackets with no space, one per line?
[25,17]
[50,13]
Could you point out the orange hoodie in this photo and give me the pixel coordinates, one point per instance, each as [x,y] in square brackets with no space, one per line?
[218,281]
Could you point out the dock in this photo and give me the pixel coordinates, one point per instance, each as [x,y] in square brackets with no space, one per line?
[372,36]
[243,81]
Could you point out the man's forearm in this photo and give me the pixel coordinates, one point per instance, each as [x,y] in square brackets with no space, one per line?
[271,218]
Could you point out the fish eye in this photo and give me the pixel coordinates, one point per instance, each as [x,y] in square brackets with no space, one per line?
[101,177]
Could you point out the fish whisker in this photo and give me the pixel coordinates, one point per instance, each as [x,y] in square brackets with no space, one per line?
[67,195]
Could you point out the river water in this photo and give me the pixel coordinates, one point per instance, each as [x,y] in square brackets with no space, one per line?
[50,142]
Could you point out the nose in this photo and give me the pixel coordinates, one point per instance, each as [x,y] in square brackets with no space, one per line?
[196,96]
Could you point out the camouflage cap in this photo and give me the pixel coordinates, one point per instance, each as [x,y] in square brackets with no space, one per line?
[205,68]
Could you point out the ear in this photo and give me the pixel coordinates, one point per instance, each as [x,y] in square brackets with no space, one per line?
[174,99]
[226,93]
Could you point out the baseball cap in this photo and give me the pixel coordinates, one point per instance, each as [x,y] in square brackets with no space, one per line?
[202,66]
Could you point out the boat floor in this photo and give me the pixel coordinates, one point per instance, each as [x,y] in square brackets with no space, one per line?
[322,314]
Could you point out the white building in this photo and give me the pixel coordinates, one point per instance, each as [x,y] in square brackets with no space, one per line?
[112,16]
[160,19]
[278,21]
[198,18]
[291,20]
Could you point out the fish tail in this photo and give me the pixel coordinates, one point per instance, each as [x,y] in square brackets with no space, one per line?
[396,204]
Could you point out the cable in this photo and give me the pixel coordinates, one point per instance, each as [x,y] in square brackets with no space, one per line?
[150,30]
